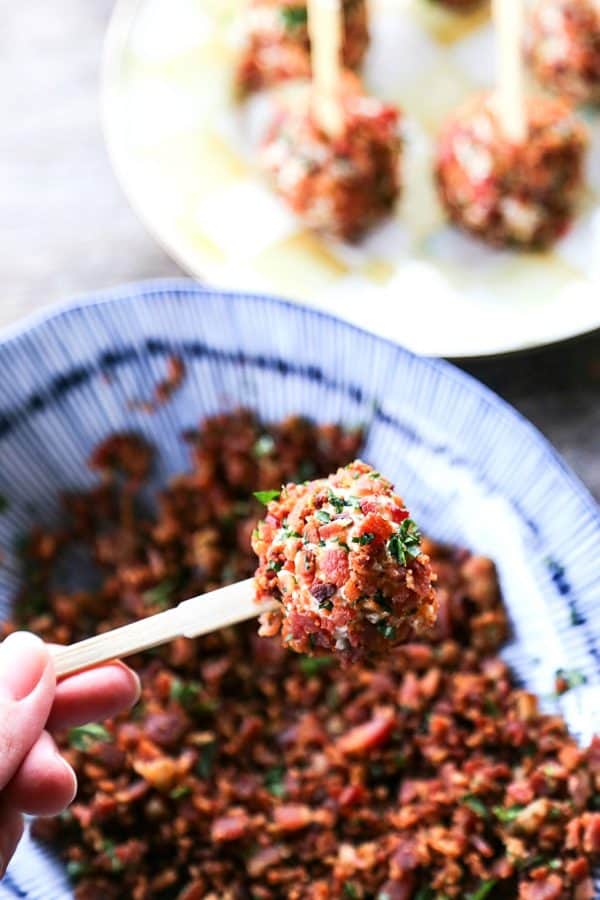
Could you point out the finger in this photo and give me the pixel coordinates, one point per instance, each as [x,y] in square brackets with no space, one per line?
[11,832]
[45,784]
[27,686]
[94,695]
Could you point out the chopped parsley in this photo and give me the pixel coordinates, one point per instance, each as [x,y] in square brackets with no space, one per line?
[405,542]
[263,446]
[337,502]
[294,16]
[275,565]
[508,815]
[343,545]
[180,791]
[350,891]
[491,708]
[274,781]
[312,665]
[110,850]
[325,604]
[208,756]
[475,804]
[161,595]
[387,630]
[573,678]
[367,538]
[323,516]
[77,869]
[266,496]
[483,890]
[84,736]
[185,692]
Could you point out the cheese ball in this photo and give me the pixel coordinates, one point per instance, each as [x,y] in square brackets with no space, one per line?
[563,47]
[340,186]
[277,46]
[342,558]
[508,194]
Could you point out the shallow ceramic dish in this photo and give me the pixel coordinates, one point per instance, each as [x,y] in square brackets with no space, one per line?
[185,154]
[472,470]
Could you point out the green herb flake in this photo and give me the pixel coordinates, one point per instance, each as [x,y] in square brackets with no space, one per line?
[185,692]
[483,890]
[110,850]
[312,665]
[266,497]
[387,630]
[337,502]
[475,804]
[263,446]
[367,538]
[294,17]
[76,869]
[161,595]
[274,781]
[343,545]
[322,516]
[573,677]
[507,815]
[275,565]
[490,708]
[206,762]
[405,542]
[325,604]
[350,890]
[180,791]
[82,737]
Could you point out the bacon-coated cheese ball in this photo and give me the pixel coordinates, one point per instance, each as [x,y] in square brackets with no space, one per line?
[340,186]
[342,557]
[508,194]
[563,47]
[277,46]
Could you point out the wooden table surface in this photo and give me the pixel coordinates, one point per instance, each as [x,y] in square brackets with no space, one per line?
[67,229]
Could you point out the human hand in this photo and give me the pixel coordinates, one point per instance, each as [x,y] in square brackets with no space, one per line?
[34,778]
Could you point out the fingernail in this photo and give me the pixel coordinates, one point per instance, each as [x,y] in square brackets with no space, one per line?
[23,659]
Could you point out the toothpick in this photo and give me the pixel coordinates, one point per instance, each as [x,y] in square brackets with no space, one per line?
[508,18]
[325,30]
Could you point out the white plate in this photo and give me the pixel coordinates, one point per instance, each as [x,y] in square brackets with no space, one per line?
[184,153]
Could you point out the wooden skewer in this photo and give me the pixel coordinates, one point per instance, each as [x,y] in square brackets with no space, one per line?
[325,31]
[200,615]
[510,93]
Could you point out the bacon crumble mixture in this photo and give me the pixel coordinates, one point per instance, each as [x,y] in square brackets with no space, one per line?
[514,195]
[563,47]
[277,45]
[342,185]
[251,773]
[342,557]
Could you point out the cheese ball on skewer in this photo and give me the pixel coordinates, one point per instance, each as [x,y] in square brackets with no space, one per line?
[511,194]
[338,185]
[563,47]
[342,557]
[277,45]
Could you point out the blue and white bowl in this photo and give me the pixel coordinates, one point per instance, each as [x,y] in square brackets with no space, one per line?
[472,470]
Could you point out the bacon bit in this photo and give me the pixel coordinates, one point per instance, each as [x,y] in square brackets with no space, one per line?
[550,888]
[230,828]
[368,735]
[378,526]
[335,566]
[351,795]
[292,816]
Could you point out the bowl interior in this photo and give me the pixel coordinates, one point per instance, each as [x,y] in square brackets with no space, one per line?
[470,469]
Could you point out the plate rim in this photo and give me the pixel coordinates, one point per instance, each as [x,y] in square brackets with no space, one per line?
[121,22]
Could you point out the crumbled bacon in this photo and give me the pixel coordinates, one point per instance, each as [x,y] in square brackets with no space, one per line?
[248,771]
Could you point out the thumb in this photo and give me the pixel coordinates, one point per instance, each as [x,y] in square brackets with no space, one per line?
[27,686]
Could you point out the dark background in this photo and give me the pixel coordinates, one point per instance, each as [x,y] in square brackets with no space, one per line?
[66,227]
